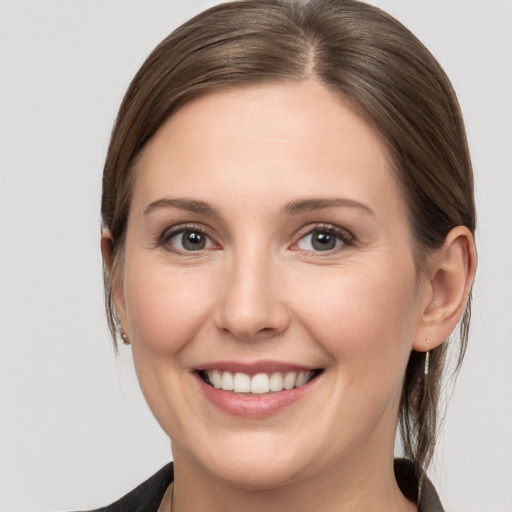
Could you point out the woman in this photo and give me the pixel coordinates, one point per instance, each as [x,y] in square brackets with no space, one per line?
[288,223]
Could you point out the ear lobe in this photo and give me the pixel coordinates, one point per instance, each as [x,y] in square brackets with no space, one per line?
[452,271]
[115,281]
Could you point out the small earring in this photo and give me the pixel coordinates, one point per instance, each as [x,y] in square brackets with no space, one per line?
[124,337]
[428,341]
[427,358]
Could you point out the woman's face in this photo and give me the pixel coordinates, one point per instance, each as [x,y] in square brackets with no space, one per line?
[268,245]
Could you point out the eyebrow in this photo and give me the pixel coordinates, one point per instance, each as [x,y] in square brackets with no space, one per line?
[309,205]
[296,207]
[190,205]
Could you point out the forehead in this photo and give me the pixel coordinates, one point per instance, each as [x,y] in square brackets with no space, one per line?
[279,141]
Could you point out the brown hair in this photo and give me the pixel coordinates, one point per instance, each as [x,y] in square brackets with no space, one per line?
[361,54]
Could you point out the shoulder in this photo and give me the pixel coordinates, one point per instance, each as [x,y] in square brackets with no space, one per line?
[425,495]
[147,496]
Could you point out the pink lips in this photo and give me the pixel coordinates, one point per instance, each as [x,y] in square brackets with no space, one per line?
[249,405]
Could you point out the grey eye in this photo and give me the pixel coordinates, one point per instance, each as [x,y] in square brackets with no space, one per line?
[187,240]
[320,240]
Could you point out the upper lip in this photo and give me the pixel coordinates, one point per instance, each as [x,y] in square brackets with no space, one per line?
[253,367]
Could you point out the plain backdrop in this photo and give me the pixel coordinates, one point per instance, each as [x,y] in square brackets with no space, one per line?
[75,431]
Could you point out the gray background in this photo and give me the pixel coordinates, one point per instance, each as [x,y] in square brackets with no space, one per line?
[74,429]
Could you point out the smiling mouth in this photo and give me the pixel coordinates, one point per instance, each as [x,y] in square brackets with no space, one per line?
[258,384]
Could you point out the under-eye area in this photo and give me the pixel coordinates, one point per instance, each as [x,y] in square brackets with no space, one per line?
[260,383]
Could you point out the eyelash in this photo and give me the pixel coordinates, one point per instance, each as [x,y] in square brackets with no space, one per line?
[167,235]
[347,239]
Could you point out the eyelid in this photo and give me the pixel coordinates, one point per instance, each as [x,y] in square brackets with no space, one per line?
[172,231]
[342,234]
[348,239]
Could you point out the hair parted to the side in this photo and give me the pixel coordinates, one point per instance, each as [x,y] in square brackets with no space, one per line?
[365,57]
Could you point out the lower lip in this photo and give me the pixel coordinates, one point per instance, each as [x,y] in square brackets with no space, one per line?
[253,406]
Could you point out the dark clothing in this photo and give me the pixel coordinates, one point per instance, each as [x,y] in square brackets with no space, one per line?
[148,495]
[407,480]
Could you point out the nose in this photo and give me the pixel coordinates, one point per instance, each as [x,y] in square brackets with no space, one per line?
[251,304]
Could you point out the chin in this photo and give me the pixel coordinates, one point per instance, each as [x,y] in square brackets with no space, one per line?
[253,461]
[257,473]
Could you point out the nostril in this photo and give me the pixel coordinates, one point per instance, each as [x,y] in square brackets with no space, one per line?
[249,326]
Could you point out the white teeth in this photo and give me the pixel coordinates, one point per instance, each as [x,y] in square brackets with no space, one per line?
[276,381]
[260,383]
[241,383]
[215,378]
[227,381]
[302,379]
[289,380]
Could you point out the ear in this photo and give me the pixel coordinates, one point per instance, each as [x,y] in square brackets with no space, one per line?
[116,283]
[107,249]
[451,272]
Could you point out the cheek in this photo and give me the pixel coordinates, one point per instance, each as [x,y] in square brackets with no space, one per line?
[363,316]
[165,309]
[365,321]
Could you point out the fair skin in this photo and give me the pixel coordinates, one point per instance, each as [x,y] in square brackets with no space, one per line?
[266,235]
